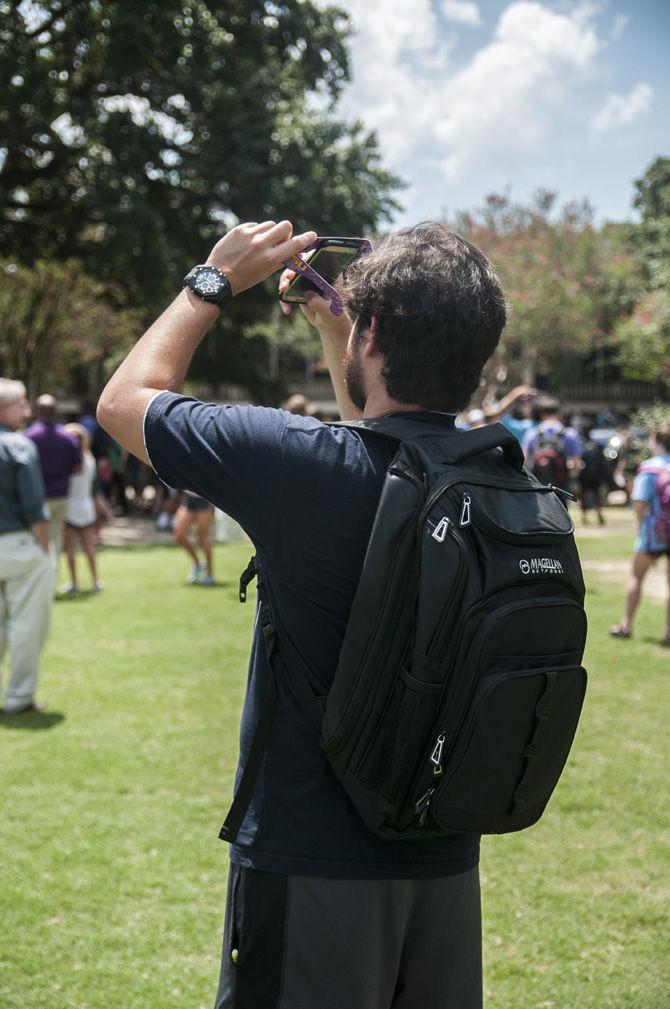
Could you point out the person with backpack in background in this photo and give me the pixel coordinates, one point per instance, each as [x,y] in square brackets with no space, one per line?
[326,908]
[651,501]
[553,452]
[592,478]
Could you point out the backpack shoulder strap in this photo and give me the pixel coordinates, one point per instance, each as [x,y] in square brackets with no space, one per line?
[455,445]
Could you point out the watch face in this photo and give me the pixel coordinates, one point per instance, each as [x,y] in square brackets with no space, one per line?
[209,281]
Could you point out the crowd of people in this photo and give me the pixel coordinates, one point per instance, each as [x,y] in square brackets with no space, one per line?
[579,460]
[86,478]
[59,483]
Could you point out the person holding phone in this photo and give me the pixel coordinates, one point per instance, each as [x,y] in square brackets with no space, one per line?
[321,912]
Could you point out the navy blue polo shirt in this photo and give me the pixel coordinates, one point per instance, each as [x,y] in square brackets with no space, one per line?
[306,494]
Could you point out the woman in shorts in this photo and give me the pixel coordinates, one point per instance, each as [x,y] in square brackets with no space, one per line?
[196,513]
[80,518]
[650,543]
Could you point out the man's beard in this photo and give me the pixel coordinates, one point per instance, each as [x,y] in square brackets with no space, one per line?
[353,378]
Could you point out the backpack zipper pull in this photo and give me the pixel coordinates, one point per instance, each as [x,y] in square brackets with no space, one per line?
[421,807]
[465,511]
[436,755]
[441,529]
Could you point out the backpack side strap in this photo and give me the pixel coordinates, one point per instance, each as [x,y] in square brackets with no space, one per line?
[312,702]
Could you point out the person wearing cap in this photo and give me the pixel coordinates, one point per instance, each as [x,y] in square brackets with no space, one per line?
[25,567]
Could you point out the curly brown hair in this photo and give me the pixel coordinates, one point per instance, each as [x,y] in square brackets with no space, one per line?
[440,312]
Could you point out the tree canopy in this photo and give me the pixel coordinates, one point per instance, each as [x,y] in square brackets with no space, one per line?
[566,282]
[132,135]
[642,340]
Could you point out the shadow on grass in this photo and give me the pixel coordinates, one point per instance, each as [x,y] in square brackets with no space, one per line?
[80,596]
[33,720]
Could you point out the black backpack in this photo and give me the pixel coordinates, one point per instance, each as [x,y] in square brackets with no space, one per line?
[594,463]
[459,683]
[548,461]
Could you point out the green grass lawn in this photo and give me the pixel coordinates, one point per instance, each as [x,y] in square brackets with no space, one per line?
[112,877]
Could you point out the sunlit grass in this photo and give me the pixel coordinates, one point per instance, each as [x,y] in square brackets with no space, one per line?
[112,877]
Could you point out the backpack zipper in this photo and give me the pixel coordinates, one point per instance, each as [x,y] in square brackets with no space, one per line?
[489,482]
[505,535]
[466,517]
[436,756]
[421,806]
[446,702]
[446,620]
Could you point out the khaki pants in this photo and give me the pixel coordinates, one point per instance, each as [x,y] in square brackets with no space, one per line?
[57,511]
[26,594]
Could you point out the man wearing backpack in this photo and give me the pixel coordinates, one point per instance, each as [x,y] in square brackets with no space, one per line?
[651,501]
[553,452]
[322,913]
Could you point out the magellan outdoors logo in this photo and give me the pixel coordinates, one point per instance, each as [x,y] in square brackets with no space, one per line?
[541,566]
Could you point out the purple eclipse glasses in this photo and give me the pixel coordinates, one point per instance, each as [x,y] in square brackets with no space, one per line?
[332,256]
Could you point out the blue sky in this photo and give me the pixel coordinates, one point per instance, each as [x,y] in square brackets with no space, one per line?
[469,98]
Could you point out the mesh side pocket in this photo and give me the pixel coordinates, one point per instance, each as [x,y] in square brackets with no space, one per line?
[390,760]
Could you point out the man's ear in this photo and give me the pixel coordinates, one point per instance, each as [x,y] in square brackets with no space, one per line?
[370,337]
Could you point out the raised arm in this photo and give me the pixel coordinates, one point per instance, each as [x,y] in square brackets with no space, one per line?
[160,360]
[334,331]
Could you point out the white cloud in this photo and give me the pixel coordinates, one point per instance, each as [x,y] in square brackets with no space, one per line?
[492,116]
[620,110]
[462,11]
[398,59]
[506,100]
[617,30]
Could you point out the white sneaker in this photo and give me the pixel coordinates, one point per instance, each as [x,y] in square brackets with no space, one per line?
[194,575]
[98,586]
[206,580]
[68,589]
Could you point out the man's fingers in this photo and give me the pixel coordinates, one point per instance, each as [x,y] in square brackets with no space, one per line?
[259,229]
[294,245]
[277,234]
[286,278]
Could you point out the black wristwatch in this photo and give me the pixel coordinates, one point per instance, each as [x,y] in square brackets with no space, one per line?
[209,284]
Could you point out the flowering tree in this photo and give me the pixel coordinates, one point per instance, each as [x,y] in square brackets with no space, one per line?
[566,282]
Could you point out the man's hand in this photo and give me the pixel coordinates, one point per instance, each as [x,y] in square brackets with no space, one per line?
[334,331]
[247,255]
[40,531]
[251,252]
[317,312]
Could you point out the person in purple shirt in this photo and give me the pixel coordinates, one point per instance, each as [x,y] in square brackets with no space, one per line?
[60,457]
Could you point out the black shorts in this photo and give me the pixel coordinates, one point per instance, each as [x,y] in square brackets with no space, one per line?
[300,942]
[198,504]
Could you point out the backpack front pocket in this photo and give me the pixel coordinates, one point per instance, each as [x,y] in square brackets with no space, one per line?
[511,750]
